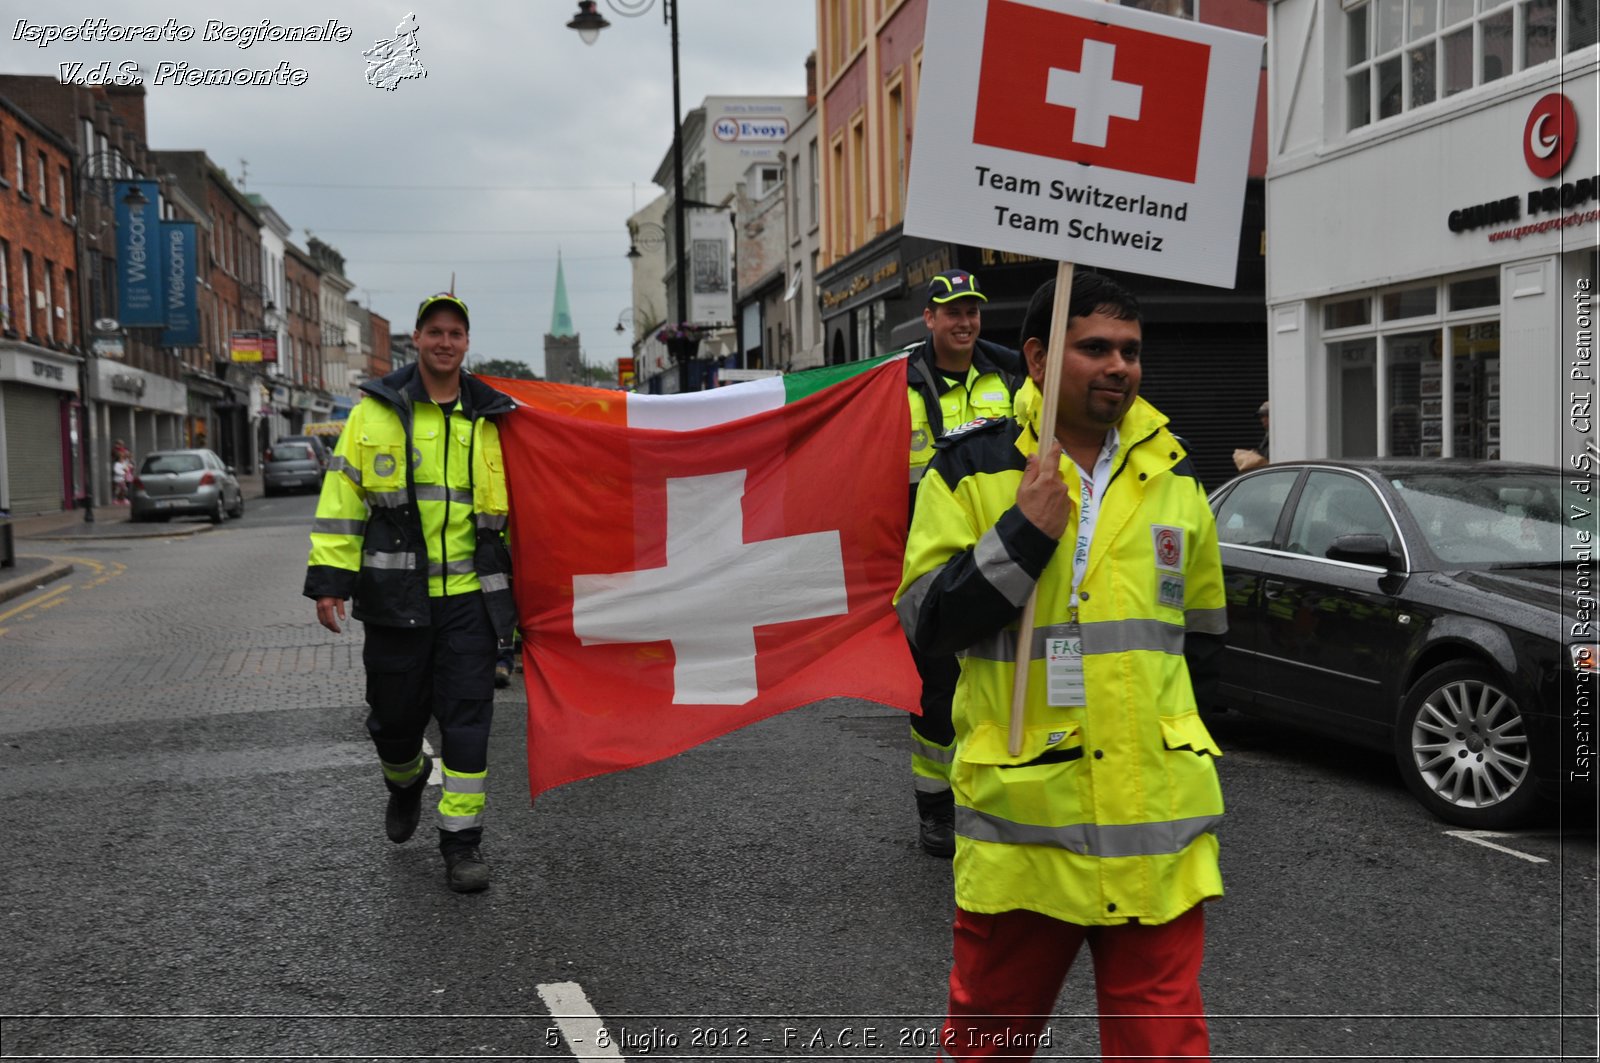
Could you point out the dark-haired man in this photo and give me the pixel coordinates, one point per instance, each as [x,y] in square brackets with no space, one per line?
[952,377]
[1099,830]
[410,526]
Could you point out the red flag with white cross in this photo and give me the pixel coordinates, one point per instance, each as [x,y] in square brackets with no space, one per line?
[688,565]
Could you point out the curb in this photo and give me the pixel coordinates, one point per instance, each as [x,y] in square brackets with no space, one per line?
[121,530]
[20,585]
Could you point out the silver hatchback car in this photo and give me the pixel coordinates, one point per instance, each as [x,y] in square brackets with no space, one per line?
[176,483]
[291,466]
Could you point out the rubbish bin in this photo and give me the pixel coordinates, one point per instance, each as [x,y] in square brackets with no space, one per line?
[8,550]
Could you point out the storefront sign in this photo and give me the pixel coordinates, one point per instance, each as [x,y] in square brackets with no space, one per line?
[711,283]
[140,281]
[182,297]
[1550,135]
[1548,138]
[1085,132]
[109,347]
[40,370]
[625,372]
[878,279]
[245,346]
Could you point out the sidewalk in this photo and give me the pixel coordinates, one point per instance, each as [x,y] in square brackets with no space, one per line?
[110,522]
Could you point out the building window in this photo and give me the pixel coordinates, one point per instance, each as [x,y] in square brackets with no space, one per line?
[5,284]
[1427,387]
[815,163]
[66,304]
[1404,54]
[44,182]
[61,192]
[894,162]
[858,182]
[29,326]
[22,167]
[49,300]
[838,214]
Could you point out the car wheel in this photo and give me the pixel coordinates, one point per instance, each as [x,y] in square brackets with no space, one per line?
[238,510]
[1463,749]
[218,514]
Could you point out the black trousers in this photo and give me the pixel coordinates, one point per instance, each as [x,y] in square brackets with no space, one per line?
[444,671]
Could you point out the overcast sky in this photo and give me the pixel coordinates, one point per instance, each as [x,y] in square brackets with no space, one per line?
[520,141]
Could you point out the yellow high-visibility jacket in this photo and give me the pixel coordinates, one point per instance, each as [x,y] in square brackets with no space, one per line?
[1106,815]
[413,508]
[992,380]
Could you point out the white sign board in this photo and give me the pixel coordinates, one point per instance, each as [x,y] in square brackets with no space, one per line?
[1085,132]
[710,268]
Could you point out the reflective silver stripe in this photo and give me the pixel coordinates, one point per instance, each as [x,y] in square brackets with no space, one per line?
[929,751]
[1088,839]
[453,568]
[1123,636]
[340,464]
[1004,574]
[440,493]
[1206,621]
[924,785]
[457,784]
[397,561]
[330,526]
[1102,636]
[386,499]
[911,601]
[454,823]
[492,521]
[494,581]
[916,473]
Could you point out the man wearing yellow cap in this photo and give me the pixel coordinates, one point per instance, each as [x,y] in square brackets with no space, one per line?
[410,526]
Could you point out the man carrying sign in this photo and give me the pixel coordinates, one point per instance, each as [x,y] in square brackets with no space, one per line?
[1100,829]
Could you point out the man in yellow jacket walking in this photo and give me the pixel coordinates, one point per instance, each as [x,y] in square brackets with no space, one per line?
[1100,830]
[410,525]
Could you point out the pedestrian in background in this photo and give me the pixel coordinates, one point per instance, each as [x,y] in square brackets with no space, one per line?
[952,377]
[410,525]
[1100,829]
[1245,460]
[121,476]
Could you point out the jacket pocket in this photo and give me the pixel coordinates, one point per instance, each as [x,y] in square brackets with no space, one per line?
[1040,785]
[1186,731]
[383,457]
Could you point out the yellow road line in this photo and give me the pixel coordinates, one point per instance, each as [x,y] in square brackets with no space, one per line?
[35,603]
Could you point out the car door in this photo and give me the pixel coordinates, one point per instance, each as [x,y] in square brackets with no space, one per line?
[1248,517]
[1329,627]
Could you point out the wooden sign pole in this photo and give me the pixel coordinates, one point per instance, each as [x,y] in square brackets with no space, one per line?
[1047,433]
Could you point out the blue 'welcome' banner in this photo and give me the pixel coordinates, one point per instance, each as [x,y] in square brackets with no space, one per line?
[139,276]
[181,293]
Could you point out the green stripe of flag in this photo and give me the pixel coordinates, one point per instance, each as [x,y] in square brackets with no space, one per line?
[810,381]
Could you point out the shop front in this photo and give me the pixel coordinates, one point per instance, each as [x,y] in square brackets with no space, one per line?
[142,410]
[1442,316]
[41,437]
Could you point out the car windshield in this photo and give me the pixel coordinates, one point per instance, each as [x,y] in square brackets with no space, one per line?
[1490,517]
[171,463]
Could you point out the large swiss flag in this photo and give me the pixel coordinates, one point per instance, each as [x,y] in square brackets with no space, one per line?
[1071,88]
[675,585]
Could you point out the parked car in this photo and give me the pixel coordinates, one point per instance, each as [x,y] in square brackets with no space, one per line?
[321,444]
[1414,606]
[176,483]
[291,466]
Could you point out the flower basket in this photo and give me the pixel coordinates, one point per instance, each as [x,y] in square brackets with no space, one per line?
[682,340]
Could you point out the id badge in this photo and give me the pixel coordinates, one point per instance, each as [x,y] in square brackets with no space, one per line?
[1064,670]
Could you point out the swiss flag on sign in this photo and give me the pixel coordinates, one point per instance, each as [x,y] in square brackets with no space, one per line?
[1071,88]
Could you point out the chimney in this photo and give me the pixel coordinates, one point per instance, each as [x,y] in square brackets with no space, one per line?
[811,81]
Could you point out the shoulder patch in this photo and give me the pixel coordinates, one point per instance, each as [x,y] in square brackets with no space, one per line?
[981,424]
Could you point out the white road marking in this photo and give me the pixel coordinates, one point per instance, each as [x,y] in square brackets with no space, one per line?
[1480,837]
[580,1025]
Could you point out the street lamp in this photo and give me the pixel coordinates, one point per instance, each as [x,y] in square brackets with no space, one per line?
[639,233]
[589,22]
[88,313]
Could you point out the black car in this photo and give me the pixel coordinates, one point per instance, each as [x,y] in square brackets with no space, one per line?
[1424,607]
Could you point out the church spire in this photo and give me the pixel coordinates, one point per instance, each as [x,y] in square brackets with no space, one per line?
[561,313]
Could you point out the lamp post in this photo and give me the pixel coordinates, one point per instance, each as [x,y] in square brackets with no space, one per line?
[91,172]
[589,22]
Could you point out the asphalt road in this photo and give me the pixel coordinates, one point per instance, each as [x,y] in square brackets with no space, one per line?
[196,867]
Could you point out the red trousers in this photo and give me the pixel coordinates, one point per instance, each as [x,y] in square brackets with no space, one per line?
[1009,969]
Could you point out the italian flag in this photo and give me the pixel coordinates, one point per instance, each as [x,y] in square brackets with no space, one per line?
[685,565]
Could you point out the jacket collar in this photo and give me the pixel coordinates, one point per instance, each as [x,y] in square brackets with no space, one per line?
[401,388]
[1140,422]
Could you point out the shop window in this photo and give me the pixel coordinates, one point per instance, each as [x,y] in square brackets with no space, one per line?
[1354,387]
[1413,302]
[1476,293]
[1415,373]
[1349,313]
[1475,390]
[1403,54]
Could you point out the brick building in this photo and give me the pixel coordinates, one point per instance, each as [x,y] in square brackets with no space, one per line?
[41,455]
[303,311]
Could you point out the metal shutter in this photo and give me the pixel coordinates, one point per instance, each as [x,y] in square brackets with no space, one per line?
[1209,380]
[33,448]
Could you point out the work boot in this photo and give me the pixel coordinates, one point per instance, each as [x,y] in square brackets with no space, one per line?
[465,870]
[502,674]
[937,831]
[405,805]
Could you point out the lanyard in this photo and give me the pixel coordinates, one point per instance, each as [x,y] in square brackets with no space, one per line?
[1091,492]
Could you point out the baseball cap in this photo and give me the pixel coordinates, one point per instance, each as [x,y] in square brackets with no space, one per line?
[954,284]
[427,305]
